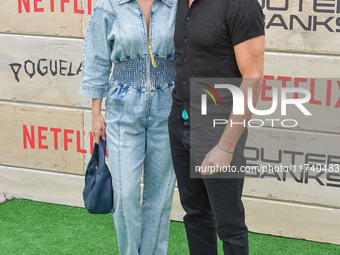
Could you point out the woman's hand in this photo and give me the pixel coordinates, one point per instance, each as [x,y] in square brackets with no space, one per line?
[98,122]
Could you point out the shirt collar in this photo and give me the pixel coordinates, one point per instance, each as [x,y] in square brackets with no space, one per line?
[167,2]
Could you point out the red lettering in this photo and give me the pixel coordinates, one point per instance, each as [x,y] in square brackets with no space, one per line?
[62,2]
[26,4]
[76,10]
[66,139]
[36,8]
[329,93]
[284,80]
[265,88]
[27,136]
[338,103]
[41,137]
[89,7]
[78,143]
[312,91]
[55,131]
[52,5]
[296,85]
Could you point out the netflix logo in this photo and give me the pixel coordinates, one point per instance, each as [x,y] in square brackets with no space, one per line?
[327,86]
[35,137]
[36,6]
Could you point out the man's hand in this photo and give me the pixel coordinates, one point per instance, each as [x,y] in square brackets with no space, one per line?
[214,160]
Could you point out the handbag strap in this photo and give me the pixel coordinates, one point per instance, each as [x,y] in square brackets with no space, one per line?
[101,151]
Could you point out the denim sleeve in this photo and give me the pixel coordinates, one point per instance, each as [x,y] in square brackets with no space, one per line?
[96,55]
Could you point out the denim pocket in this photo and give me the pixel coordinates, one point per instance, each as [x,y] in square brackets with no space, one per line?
[113,90]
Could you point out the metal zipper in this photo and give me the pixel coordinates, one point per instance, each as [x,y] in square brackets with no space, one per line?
[149,56]
[148,81]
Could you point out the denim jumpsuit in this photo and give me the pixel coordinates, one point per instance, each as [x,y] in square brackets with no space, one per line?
[138,102]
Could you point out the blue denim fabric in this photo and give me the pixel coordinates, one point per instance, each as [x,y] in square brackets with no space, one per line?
[136,127]
[138,102]
[117,32]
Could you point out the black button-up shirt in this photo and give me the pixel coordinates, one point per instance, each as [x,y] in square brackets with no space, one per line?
[205,36]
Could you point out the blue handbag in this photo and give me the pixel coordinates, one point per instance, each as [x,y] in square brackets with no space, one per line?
[98,190]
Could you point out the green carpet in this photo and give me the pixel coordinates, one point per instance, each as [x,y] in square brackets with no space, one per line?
[36,228]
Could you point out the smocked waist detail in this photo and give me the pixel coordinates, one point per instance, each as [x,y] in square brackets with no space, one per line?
[133,73]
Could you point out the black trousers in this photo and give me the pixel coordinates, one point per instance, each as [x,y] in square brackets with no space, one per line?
[212,205]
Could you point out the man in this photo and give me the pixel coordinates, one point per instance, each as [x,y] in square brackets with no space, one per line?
[214,38]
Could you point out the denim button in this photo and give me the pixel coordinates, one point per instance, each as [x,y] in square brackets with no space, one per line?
[184,83]
[187,18]
[185,60]
[186,40]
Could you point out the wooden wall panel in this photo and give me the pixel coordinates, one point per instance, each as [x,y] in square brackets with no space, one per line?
[291,25]
[44,186]
[52,18]
[42,70]
[301,65]
[311,193]
[323,106]
[24,77]
[41,137]
[302,26]
[293,220]
[275,147]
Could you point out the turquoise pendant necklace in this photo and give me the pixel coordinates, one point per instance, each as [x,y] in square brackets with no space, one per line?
[185,115]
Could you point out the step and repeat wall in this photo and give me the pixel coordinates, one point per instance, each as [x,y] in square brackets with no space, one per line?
[46,138]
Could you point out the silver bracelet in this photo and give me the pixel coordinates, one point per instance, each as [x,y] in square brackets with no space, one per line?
[221,147]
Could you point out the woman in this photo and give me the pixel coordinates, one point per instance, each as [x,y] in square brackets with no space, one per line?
[137,36]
